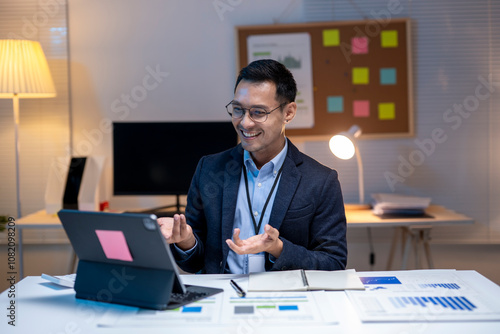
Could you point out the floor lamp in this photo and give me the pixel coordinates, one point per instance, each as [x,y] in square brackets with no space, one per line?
[24,73]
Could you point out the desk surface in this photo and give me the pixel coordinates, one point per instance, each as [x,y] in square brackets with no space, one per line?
[439,216]
[355,218]
[42,307]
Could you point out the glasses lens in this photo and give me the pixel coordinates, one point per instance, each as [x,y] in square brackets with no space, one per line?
[258,114]
[235,111]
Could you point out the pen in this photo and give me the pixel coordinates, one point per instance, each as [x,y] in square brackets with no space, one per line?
[241,293]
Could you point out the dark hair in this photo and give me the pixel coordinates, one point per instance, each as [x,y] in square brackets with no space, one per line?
[273,71]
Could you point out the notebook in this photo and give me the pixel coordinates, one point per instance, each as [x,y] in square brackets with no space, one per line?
[304,280]
[124,259]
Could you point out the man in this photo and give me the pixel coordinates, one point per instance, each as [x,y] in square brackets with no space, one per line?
[262,205]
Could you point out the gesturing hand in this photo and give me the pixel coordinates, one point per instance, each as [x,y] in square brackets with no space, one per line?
[265,242]
[176,230]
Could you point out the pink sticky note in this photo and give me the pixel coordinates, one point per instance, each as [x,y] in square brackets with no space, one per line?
[114,245]
[361,108]
[359,45]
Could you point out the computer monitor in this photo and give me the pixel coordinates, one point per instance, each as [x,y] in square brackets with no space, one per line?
[160,158]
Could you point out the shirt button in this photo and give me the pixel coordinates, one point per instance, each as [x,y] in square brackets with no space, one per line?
[255,213]
[275,172]
[259,185]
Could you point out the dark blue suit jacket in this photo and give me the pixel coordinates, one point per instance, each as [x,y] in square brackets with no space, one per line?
[308,211]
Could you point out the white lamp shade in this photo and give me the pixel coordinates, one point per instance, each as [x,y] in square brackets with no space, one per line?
[24,71]
[342,147]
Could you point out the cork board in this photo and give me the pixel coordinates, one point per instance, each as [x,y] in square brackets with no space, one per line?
[361,74]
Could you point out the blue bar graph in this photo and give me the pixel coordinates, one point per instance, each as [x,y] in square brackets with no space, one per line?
[451,286]
[450,303]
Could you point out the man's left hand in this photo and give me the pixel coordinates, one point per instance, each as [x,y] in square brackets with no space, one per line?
[268,242]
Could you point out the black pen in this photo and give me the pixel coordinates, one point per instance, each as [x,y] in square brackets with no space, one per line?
[241,293]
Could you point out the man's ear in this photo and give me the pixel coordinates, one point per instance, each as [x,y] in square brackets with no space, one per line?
[290,111]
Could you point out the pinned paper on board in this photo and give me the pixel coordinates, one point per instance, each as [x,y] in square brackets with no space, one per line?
[388,76]
[360,75]
[114,245]
[361,108]
[359,45]
[386,111]
[389,39]
[335,104]
[331,37]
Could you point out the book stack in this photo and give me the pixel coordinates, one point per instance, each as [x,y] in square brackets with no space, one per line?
[399,205]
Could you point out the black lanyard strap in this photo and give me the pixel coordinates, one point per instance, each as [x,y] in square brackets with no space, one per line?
[255,226]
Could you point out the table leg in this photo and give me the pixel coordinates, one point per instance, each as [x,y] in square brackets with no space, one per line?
[394,244]
[408,244]
[427,237]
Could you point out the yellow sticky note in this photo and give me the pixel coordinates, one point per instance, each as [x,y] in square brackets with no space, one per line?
[331,37]
[389,38]
[386,111]
[360,75]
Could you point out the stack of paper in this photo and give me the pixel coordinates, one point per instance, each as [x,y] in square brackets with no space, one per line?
[394,204]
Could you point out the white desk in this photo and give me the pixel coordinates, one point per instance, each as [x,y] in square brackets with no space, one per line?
[44,308]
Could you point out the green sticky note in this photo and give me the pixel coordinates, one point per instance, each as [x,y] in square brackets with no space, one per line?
[331,37]
[360,75]
[389,38]
[386,111]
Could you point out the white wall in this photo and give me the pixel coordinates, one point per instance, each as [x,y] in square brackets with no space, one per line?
[114,42]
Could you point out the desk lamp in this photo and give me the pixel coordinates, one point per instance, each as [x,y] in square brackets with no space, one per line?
[343,146]
[24,73]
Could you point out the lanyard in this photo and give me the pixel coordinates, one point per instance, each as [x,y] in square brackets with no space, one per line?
[255,226]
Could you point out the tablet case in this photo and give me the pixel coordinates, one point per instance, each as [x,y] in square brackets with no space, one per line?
[144,278]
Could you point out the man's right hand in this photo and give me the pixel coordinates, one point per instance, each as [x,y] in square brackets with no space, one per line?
[177,231]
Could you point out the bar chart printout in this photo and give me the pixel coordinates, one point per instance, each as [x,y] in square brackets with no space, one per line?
[278,307]
[421,306]
[205,312]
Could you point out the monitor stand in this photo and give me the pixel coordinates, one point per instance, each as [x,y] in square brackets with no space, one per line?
[166,211]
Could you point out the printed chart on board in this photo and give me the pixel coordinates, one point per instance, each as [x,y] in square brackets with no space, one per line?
[293,51]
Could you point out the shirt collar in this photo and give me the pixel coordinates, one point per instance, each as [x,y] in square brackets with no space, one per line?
[276,162]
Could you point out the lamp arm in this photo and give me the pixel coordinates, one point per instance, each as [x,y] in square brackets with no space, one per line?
[361,182]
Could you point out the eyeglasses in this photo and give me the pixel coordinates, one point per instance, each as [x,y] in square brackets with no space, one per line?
[256,114]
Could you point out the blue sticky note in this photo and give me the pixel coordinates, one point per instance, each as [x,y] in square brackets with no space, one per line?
[380,280]
[335,103]
[388,76]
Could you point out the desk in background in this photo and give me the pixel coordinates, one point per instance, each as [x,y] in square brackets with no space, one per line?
[42,307]
[415,230]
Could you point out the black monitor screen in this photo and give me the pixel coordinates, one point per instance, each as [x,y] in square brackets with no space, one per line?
[161,158]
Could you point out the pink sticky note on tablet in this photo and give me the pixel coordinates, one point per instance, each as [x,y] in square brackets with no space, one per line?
[114,245]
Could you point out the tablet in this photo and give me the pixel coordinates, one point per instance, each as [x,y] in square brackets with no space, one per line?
[124,259]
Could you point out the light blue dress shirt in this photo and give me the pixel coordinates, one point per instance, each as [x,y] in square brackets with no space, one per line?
[260,183]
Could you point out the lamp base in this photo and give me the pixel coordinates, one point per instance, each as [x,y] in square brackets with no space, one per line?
[352,206]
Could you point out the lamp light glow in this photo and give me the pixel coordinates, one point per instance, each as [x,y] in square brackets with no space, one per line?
[343,146]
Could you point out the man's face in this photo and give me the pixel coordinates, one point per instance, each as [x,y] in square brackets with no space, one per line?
[263,140]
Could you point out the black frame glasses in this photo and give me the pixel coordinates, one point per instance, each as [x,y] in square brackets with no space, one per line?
[252,111]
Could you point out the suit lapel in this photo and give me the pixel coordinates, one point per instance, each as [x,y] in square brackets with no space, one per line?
[229,195]
[289,182]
